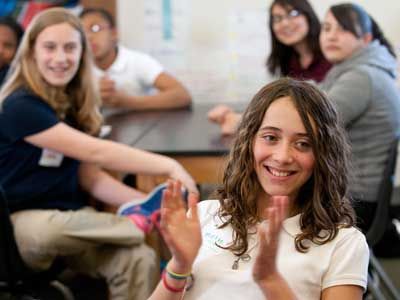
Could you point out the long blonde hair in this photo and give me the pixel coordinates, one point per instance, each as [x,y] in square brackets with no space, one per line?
[79,99]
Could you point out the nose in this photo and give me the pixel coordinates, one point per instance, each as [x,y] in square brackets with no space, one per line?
[284,21]
[60,55]
[283,154]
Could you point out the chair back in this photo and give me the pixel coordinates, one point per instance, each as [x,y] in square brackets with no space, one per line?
[12,267]
[379,224]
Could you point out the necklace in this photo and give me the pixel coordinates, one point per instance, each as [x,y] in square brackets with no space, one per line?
[244,257]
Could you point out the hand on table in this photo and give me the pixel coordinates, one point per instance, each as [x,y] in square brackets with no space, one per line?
[109,93]
[225,117]
[217,113]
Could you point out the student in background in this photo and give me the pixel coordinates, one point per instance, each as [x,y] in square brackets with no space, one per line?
[10,35]
[127,76]
[295,52]
[362,85]
[276,230]
[51,162]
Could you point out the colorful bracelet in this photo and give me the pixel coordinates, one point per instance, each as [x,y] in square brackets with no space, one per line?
[178,276]
[168,287]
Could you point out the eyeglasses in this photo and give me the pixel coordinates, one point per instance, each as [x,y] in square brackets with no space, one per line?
[95,28]
[276,19]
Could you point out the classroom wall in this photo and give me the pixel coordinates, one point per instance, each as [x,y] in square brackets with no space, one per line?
[218,48]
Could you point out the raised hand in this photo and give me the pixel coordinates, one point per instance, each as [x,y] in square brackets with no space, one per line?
[268,232]
[180,228]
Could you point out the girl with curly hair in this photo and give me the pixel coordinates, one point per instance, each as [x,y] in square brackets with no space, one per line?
[281,226]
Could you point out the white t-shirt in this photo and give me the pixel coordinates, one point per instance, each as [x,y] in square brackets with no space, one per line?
[342,261]
[133,72]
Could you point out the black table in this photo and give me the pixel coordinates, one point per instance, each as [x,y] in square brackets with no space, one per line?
[183,134]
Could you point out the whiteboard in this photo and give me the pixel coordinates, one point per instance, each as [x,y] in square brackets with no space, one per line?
[218,48]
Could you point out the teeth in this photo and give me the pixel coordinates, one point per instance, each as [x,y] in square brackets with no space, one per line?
[279,173]
[58,69]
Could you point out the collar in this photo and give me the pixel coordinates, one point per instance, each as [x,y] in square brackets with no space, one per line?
[119,64]
[292,225]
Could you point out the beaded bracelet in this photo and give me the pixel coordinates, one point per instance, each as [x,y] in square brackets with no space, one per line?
[168,287]
[177,276]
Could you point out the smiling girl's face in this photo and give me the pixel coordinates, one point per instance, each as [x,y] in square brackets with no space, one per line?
[289,25]
[283,153]
[57,53]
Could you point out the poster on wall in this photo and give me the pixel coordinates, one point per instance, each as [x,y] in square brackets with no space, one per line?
[218,63]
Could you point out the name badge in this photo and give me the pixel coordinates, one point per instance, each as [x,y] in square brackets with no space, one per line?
[51,158]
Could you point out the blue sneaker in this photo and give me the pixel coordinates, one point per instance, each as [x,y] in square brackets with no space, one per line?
[148,205]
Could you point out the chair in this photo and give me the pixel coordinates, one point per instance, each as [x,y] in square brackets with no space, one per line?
[377,277]
[16,278]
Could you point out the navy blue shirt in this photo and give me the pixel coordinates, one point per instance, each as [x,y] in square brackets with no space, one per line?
[3,73]
[28,182]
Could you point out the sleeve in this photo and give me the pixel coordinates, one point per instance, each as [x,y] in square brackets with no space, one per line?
[351,94]
[349,262]
[25,115]
[148,69]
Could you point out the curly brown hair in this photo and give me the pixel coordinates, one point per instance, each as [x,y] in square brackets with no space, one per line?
[322,200]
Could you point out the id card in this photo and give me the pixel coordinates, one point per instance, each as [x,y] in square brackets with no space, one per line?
[51,158]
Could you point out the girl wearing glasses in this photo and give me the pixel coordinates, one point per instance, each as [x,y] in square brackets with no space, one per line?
[295,29]
[295,52]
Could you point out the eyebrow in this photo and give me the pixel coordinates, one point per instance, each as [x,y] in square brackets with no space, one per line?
[55,42]
[272,128]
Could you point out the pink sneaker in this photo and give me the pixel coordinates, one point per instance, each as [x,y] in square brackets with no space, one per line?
[143,222]
[155,219]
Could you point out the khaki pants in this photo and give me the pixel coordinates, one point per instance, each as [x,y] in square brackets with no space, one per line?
[94,243]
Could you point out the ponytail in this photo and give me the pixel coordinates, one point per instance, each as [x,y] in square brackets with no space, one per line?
[377,34]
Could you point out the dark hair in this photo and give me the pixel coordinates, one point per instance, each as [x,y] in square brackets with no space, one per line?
[105,14]
[354,18]
[14,26]
[324,207]
[281,54]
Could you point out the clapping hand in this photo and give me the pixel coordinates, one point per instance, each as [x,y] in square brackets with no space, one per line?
[180,228]
[268,232]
